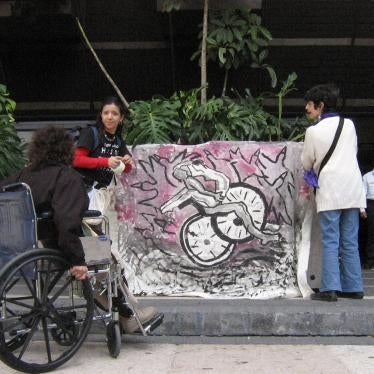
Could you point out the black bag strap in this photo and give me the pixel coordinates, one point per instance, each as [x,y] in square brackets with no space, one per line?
[333,144]
[95,132]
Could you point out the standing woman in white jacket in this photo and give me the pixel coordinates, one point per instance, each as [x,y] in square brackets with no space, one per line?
[339,197]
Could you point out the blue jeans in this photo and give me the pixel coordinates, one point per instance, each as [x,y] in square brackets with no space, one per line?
[341,268]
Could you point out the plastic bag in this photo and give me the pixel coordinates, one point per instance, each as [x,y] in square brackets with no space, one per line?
[311,178]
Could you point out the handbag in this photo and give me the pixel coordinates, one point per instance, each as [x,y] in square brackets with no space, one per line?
[310,177]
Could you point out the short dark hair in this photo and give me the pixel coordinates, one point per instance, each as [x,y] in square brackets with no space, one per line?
[50,145]
[324,93]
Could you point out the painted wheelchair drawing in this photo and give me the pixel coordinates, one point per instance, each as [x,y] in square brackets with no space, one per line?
[228,213]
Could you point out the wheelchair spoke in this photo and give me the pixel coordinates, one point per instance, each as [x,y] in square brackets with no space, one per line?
[10,311]
[46,338]
[61,290]
[10,286]
[18,298]
[28,317]
[16,302]
[56,278]
[29,285]
[29,337]
[46,284]
[10,326]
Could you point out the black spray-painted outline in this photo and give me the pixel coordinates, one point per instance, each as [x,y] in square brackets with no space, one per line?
[164,162]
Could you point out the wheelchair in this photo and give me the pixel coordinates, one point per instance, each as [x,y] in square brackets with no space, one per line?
[45,313]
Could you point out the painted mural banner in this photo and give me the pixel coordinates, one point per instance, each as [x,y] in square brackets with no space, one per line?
[220,219]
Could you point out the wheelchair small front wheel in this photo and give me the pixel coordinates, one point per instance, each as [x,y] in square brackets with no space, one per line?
[113,334]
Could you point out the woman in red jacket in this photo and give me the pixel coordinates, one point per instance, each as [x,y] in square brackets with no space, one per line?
[102,150]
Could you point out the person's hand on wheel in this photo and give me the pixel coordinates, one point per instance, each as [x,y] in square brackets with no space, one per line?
[79,272]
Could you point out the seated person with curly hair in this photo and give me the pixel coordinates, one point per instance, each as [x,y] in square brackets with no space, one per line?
[57,187]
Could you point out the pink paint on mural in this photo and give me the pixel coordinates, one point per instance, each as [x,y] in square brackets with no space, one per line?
[211,219]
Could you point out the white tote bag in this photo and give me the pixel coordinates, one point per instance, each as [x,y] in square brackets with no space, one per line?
[99,200]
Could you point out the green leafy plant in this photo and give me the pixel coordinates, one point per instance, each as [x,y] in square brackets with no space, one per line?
[295,130]
[225,119]
[279,127]
[186,102]
[275,126]
[11,147]
[256,105]
[154,121]
[234,37]
[183,119]
[287,86]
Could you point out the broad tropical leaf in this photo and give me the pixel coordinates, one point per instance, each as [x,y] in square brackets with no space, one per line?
[11,147]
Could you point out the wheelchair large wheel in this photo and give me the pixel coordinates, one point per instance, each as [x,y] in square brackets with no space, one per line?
[45,313]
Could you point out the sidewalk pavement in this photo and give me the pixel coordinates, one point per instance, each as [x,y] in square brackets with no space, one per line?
[219,359]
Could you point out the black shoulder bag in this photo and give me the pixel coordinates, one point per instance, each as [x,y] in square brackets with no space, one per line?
[332,147]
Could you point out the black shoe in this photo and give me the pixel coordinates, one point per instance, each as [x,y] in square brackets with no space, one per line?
[351,295]
[324,296]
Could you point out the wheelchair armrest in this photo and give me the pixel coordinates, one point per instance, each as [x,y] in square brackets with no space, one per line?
[91,213]
[87,214]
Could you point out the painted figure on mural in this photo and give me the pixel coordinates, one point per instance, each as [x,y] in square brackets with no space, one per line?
[188,172]
[228,213]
